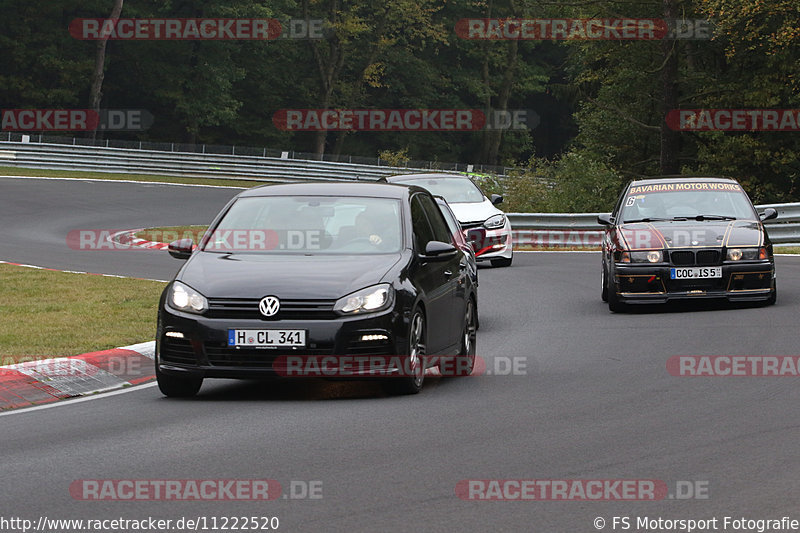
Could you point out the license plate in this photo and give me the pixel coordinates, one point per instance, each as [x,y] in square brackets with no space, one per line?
[267,337]
[696,273]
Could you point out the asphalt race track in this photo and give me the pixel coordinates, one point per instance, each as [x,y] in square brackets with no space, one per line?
[594,401]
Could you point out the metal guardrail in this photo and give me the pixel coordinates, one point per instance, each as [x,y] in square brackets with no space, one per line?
[302,161]
[582,229]
[194,165]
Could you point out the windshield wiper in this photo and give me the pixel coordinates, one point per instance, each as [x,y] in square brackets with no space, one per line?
[646,219]
[712,217]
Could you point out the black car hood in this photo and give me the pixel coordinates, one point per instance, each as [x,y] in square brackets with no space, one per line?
[323,277]
[692,234]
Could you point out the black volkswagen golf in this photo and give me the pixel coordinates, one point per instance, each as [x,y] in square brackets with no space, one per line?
[686,238]
[310,279]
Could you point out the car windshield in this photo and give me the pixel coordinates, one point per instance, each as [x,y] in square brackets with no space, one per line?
[309,225]
[454,190]
[719,202]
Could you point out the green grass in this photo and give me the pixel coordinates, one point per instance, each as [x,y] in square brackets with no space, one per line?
[54,314]
[172,233]
[786,250]
[14,171]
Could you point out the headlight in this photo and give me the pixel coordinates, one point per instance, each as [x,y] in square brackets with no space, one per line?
[747,254]
[369,300]
[187,299]
[495,222]
[652,256]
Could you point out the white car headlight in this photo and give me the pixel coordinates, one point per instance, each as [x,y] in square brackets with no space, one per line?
[495,222]
[369,300]
[187,299]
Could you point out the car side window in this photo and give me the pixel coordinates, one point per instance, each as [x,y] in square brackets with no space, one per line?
[438,223]
[423,233]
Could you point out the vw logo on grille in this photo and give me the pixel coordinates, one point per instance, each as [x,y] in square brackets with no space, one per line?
[269,305]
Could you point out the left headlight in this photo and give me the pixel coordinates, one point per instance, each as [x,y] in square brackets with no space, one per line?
[739,254]
[185,298]
[653,256]
[369,300]
[495,222]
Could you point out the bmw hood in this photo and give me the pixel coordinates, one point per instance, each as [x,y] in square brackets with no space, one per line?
[218,275]
[474,212]
[691,234]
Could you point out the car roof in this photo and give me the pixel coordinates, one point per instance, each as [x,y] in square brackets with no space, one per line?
[681,179]
[427,176]
[338,188]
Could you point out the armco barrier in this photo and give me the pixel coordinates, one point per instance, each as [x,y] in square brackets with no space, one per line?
[219,162]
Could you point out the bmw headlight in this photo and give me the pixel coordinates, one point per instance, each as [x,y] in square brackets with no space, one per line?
[746,254]
[187,299]
[369,300]
[652,256]
[495,222]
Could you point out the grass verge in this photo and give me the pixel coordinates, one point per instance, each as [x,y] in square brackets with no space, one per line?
[55,314]
[14,171]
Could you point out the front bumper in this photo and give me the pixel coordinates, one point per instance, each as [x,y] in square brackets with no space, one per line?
[491,244]
[741,282]
[203,351]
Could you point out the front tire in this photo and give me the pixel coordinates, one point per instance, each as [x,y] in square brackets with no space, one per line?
[416,354]
[614,303]
[177,387]
[773,297]
[464,363]
[604,290]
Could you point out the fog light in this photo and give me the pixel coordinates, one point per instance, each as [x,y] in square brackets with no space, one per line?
[174,334]
[374,337]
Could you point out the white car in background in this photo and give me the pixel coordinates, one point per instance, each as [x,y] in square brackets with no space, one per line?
[485,226]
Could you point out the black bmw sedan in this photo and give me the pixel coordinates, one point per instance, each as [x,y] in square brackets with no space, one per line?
[686,238]
[346,280]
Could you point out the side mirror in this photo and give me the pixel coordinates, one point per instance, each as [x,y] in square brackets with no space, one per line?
[605,219]
[497,199]
[181,249]
[768,214]
[439,251]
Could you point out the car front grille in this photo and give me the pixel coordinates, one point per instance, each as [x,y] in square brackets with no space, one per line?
[223,355]
[247,308]
[708,257]
[682,258]
[177,351]
[471,225]
[692,258]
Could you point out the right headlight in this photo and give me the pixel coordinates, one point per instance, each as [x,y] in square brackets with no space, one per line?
[369,300]
[495,222]
[651,256]
[746,254]
[185,298]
